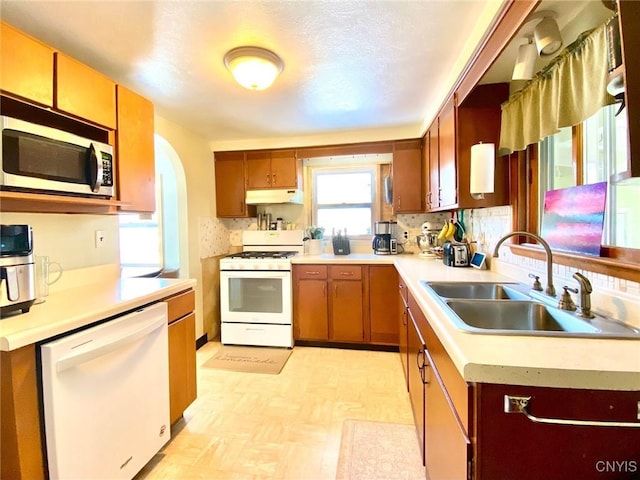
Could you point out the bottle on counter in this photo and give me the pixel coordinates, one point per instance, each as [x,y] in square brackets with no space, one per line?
[279,223]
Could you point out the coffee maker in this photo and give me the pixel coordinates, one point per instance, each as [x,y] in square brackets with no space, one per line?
[384,239]
[17,272]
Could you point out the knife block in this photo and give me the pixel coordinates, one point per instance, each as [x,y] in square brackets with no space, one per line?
[341,245]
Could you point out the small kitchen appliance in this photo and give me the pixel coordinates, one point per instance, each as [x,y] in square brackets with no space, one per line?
[384,240]
[17,272]
[43,159]
[256,302]
[428,241]
[456,254]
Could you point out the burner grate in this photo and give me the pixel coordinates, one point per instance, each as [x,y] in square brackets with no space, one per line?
[262,255]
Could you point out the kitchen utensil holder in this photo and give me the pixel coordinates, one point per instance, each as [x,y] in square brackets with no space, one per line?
[341,245]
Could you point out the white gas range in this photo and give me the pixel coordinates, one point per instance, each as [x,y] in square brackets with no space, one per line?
[255,289]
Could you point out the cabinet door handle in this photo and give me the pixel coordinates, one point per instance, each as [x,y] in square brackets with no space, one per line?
[516,404]
[268,179]
[273,176]
[421,360]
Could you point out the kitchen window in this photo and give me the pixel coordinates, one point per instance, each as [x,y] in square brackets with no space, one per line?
[344,198]
[588,153]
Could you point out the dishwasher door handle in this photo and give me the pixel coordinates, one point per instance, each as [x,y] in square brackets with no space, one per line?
[90,351]
[517,404]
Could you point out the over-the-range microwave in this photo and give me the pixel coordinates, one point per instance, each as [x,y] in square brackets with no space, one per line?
[37,158]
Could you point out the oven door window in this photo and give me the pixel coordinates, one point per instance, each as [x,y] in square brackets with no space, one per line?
[256,295]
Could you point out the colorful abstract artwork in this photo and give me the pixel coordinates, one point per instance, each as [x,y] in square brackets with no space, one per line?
[573,218]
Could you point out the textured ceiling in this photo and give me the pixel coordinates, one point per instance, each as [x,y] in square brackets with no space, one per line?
[354,70]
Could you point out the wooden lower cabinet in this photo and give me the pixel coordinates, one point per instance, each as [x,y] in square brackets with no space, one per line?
[444,442]
[328,303]
[21,447]
[383,304]
[416,347]
[346,322]
[182,353]
[403,327]
[509,445]
[312,310]
[346,303]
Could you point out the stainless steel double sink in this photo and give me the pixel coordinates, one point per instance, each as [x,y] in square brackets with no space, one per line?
[508,309]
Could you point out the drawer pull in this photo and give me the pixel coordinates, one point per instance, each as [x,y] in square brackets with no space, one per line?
[346,274]
[515,404]
[312,273]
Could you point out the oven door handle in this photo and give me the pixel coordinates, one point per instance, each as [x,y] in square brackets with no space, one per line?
[255,274]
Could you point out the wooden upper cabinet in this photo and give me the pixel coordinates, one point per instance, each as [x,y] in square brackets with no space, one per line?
[84,92]
[433,193]
[26,66]
[230,186]
[135,152]
[478,121]
[407,177]
[450,138]
[258,170]
[447,154]
[285,169]
[273,169]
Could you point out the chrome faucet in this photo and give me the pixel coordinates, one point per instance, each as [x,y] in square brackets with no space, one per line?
[585,296]
[550,290]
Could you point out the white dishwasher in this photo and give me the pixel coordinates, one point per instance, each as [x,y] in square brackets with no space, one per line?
[106,396]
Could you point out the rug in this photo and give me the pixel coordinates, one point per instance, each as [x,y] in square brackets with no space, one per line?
[379,451]
[249,359]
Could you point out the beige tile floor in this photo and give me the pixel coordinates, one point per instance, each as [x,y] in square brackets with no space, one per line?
[286,426]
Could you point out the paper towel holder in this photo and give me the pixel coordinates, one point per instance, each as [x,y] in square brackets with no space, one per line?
[482,171]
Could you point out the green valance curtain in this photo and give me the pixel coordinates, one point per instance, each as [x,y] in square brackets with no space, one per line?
[572,88]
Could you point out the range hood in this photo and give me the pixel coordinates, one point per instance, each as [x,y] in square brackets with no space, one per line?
[272,196]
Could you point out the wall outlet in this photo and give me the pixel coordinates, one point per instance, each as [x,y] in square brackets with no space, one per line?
[99,237]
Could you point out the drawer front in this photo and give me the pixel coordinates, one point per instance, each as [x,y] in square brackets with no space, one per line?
[180,305]
[345,272]
[318,272]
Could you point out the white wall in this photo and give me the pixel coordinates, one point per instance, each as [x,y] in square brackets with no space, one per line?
[70,239]
[202,245]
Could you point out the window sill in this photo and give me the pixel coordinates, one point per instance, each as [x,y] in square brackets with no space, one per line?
[620,263]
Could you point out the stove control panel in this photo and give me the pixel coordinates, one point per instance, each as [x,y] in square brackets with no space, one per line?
[264,264]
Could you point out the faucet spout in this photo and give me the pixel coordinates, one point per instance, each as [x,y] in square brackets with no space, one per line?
[585,295]
[550,290]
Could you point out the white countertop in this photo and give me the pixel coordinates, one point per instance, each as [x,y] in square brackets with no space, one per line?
[612,364]
[80,305]
[362,258]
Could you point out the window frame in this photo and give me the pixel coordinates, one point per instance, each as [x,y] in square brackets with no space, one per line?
[315,170]
[614,261]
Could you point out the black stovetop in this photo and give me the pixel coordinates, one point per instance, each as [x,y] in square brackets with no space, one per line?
[259,255]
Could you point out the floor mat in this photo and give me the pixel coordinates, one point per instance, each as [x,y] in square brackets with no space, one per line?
[379,451]
[249,359]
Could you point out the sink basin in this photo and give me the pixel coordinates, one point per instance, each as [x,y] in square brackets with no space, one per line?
[476,290]
[504,308]
[517,317]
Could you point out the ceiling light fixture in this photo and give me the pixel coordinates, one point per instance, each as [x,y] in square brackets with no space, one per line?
[254,68]
[525,61]
[547,34]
